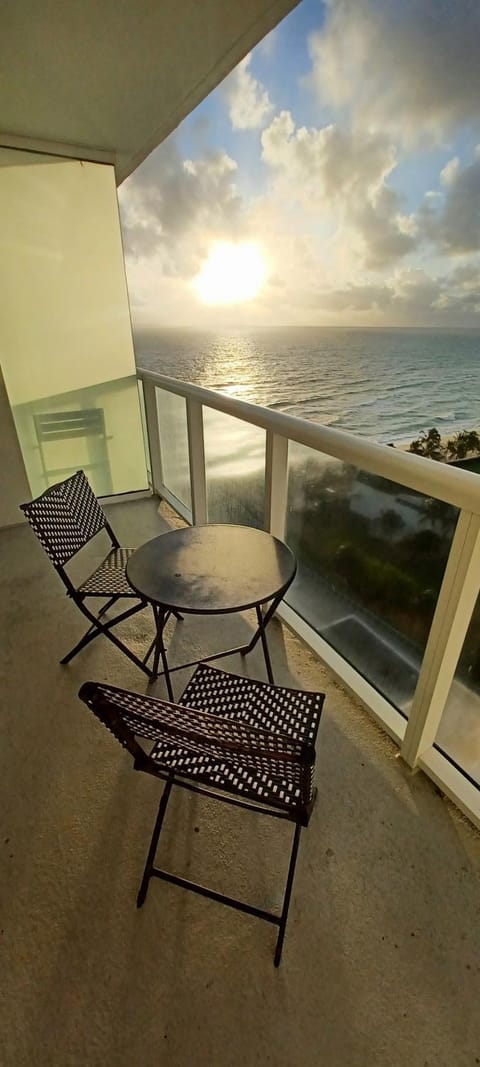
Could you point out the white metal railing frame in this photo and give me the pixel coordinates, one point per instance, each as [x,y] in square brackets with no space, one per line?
[457,487]
[461,583]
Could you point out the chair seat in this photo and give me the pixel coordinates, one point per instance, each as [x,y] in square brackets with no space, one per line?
[109,578]
[285,712]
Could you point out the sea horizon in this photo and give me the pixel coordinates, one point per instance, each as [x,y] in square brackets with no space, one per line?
[259,327]
[387,383]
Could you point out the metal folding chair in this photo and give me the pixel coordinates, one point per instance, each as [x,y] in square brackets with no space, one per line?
[248,743]
[64,518]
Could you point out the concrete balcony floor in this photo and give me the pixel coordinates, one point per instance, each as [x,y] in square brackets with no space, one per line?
[381,958]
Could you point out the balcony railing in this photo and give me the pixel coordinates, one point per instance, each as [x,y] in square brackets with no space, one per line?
[388,550]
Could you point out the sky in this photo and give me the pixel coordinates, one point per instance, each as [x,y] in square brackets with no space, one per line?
[332,179]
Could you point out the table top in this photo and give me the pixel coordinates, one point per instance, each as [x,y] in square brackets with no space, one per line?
[211,569]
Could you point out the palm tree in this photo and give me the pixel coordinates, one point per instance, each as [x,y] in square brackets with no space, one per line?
[433,445]
[463,443]
[473,441]
[452,447]
[429,444]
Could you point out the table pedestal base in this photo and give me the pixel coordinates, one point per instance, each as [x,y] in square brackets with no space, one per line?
[161,616]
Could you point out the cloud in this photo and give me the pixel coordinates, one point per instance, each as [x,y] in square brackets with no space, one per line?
[388,234]
[410,297]
[450,171]
[406,293]
[454,225]
[333,229]
[415,291]
[461,292]
[406,66]
[326,161]
[342,174]
[418,296]
[248,101]
[355,298]
[173,208]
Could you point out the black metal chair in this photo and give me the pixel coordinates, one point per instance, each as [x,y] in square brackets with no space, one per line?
[64,518]
[248,743]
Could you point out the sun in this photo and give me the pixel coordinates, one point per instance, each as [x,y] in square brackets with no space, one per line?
[231,273]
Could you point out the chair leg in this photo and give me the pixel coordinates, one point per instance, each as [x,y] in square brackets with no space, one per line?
[85,640]
[288,893]
[107,606]
[97,627]
[154,842]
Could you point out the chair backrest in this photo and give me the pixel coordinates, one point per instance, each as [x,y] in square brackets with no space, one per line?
[208,735]
[65,517]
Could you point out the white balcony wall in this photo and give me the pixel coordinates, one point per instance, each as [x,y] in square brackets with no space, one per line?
[13,480]
[65,334]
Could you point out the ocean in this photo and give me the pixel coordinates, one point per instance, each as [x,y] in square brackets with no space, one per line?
[384,384]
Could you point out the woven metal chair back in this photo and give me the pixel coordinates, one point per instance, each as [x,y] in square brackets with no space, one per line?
[211,736]
[65,517]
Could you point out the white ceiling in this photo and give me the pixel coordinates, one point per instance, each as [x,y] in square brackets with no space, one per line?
[111,79]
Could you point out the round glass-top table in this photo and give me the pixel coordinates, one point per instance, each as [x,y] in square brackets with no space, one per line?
[211,570]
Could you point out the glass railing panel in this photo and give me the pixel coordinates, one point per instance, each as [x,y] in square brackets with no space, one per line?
[235,469]
[172,426]
[458,735]
[95,429]
[143,419]
[371,558]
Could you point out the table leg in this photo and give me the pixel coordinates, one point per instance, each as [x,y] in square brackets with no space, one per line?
[263,638]
[160,651]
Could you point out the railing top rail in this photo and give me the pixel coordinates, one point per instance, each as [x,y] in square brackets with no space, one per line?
[460,488]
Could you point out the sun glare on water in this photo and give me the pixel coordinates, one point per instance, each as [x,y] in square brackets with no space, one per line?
[231,274]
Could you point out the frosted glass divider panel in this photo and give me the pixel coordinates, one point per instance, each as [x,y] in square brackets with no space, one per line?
[172,426]
[235,470]
[93,429]
[65,334]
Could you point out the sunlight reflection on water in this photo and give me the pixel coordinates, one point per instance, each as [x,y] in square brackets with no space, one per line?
[384,384]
